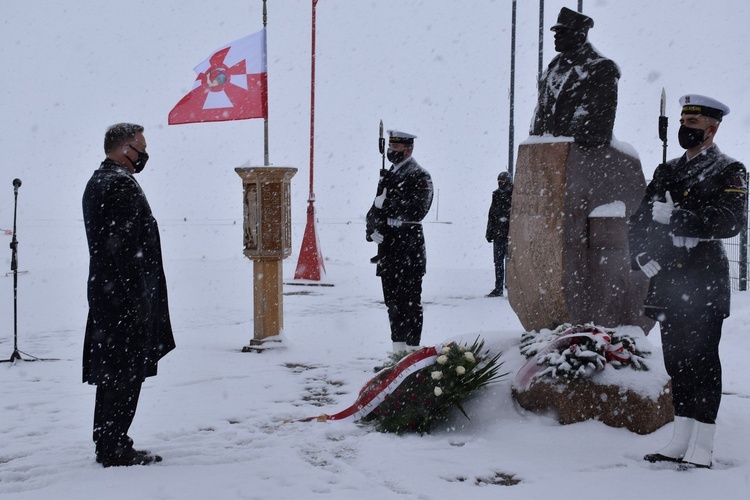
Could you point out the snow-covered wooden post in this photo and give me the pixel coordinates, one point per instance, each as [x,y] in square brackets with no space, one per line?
[267,241]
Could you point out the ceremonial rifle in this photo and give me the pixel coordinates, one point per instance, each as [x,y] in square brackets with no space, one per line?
[663,124]
[381,145]
[374,218]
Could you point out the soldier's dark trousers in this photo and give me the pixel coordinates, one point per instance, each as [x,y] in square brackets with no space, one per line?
[499,249]
[691,357]
[113,413]
[402,293]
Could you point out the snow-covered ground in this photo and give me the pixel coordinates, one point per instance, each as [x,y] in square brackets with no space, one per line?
[217,415]
[436,68]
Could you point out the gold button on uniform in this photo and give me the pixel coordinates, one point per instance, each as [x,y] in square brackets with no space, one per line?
[679,266]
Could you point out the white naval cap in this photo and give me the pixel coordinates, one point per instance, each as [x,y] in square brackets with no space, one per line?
[402,137]
[695,104]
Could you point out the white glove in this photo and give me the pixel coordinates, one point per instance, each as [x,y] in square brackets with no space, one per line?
[685,241]
[662,211]
[379,199]
[394,222]
[377,237]
[650,268]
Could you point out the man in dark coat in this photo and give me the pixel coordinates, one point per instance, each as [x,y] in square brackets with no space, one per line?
[578,92]
[675,239]
[498,224]
[128,328]
[395,223]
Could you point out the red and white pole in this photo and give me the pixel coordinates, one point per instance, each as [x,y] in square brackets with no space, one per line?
[310,264]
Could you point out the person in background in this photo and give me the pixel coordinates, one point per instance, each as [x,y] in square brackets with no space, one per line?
[128,328]
[498,223]
[394,222]
[675,239]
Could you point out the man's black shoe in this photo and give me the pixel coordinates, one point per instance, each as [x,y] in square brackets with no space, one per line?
[131,457]
[495,293]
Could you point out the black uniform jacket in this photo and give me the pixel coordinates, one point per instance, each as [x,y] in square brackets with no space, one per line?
[498,218]
[408,200]
[578,97]
[709,193]
[128,328]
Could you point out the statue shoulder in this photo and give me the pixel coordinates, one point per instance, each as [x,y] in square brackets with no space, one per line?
[596,61]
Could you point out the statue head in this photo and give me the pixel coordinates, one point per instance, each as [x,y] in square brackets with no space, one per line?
[571,30]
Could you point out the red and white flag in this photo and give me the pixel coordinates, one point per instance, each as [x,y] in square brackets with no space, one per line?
[231,85]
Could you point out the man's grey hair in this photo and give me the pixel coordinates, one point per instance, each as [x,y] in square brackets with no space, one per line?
[119,134]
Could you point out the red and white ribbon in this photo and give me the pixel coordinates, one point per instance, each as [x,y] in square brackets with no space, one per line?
[372,395]
[528,371]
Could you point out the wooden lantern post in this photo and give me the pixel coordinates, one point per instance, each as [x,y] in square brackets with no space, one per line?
[267,241]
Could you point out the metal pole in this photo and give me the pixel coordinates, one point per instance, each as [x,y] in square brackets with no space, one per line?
[265,119]
[437,206]
[580,6]
[310,261]
[743,249]
[14,268]
[541,41]
[311,199]
[511,125]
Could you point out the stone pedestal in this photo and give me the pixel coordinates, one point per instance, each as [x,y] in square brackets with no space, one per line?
[587,400]
[568,257]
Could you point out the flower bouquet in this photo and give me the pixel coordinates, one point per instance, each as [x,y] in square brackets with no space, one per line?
[424,395]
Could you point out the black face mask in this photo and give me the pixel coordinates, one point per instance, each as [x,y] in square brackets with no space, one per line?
[140,163]
[690,137]
[395,157]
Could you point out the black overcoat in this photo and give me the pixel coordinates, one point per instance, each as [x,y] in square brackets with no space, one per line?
[709,193]
[408,200]
[128,328]
[498,218]
[578,97]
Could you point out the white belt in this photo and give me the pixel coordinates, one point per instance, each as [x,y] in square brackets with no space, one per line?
[688,241]
[399,222]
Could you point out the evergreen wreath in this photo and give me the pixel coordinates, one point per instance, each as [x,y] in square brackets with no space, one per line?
[583,356]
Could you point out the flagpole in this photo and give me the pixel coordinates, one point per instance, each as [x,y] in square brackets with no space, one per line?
[310,264]
[541,41]
[311,199]
[265,119]
[511,126]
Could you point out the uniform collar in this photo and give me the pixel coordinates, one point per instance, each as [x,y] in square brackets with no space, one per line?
[397,166]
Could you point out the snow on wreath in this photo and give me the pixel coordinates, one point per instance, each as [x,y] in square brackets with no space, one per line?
[415,390]
[576,352]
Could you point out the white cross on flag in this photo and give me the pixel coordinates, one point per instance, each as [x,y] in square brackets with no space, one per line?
[231,85]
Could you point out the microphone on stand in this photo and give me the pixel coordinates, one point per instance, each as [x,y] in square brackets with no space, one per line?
[16,185]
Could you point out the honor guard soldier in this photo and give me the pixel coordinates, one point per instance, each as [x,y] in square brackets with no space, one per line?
[394,222]
[675,239]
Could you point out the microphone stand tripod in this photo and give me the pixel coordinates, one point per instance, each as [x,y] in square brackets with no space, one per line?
[14,268]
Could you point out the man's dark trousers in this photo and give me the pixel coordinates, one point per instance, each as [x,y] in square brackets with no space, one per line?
[114,411]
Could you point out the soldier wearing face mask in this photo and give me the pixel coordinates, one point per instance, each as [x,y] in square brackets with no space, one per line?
[675,239]
[394,222]
[578,92]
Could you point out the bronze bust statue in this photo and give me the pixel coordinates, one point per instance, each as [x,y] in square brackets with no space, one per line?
[578,92]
